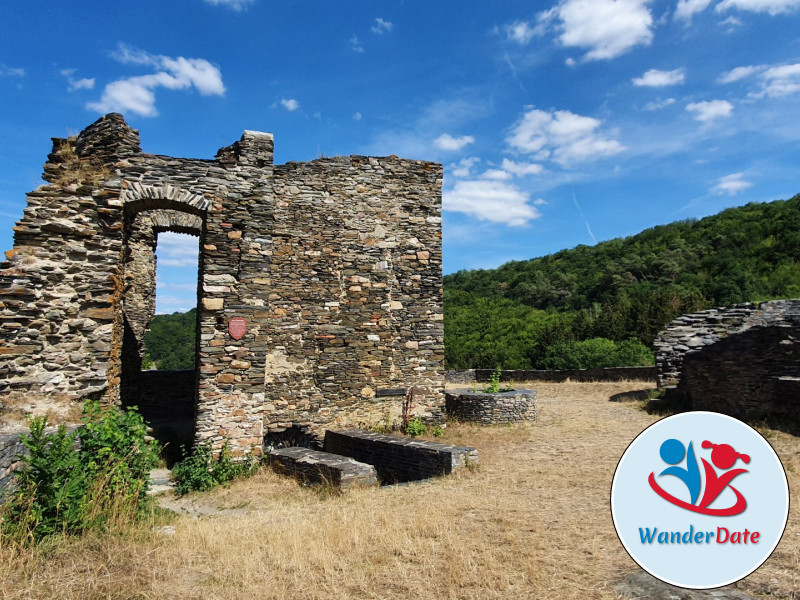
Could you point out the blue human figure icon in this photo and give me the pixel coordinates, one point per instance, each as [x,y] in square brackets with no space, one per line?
[672,452]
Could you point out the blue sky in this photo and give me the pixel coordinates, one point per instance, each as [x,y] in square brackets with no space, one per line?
[559,123]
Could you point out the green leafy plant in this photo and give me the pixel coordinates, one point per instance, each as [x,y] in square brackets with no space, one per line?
[437,431]
[200,472]
[91,478]
[494,381]
[415,427]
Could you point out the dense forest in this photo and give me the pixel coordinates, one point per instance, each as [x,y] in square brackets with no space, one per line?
[592,306]
[170,341]
[603,305]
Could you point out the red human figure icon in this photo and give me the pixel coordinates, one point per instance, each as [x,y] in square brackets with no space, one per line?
[724,457]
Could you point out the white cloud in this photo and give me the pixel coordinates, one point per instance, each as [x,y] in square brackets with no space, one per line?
[381,26]
[462,167]
[708,111]
[773,7]
[658,105]
[562,136]
[782,80]
[449,143]
[73,85]
[11,71]
[656,78]
[522,32]
[358,116]
[522,169]
[290,104]
[688,8]
[355,44]
[539,202]
[177,250]
[237,5]
[739,73]
[136,94]
[607,28]
[496,174]
[490,200]
[731,184]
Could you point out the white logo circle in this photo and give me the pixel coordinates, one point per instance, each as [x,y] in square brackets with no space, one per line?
[699,500]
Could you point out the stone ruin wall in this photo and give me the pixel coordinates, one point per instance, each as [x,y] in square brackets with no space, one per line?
[741,360]
[334,264]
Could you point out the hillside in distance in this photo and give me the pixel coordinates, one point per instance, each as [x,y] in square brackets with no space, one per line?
[625,289]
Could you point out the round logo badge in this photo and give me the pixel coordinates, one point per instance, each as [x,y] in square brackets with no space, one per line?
[699,500]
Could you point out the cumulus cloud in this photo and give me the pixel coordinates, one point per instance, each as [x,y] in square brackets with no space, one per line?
[137,94]
[782,80]
[11,71]
[462,167]
[381,26]
[449,143]
[237,5]
[688,8]
[290,104]
[523,32]
[739,73]
[177,250]
[708,111]
[731,184]
[73,85]
[656,78]
[496,174]
[522,169]
[659,104]
[772,7]
[491,200]
[562,136]
[773,81]
[607,28]
[355,44]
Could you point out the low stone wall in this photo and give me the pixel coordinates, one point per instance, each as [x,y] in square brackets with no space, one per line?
[399,459]
[468,376]
[312,466]
[492,409]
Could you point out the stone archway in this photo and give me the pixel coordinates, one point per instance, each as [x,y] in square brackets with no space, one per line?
[166,399]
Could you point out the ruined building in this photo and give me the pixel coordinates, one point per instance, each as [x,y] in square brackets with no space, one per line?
[741,360]
[319,290]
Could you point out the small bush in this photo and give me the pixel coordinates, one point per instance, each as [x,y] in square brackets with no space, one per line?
[63,489]
[415,427]
[199,472]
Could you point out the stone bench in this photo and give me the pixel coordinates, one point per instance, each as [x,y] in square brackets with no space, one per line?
[492,408]
[313,466]
[399,459]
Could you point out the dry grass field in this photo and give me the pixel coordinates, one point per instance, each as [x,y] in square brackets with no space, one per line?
[532,521]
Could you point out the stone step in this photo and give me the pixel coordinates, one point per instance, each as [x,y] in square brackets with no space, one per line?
[313,466]
[160,481]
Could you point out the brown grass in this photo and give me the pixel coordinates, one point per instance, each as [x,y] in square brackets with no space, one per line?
[532,521]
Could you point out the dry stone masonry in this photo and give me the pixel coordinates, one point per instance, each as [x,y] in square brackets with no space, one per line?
[330,270]
[489,408]
[741,360]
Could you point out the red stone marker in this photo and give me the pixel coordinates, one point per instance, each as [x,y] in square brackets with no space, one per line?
[237,327]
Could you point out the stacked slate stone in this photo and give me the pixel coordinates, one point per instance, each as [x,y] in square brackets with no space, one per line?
[492,408]
[742,361]
[333,267]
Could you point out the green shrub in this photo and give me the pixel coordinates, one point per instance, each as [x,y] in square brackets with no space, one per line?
[494,381]
[597,353]
[415,427]
[199,472]
[66,490]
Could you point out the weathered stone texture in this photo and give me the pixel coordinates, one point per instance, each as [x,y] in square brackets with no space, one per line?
[313,466]
[742,360]
[492,408]
[399,459]
[335,265]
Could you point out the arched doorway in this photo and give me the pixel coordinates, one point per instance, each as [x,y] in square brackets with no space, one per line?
[166,399]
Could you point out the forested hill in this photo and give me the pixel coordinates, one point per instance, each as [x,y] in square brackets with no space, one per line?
[620,289]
